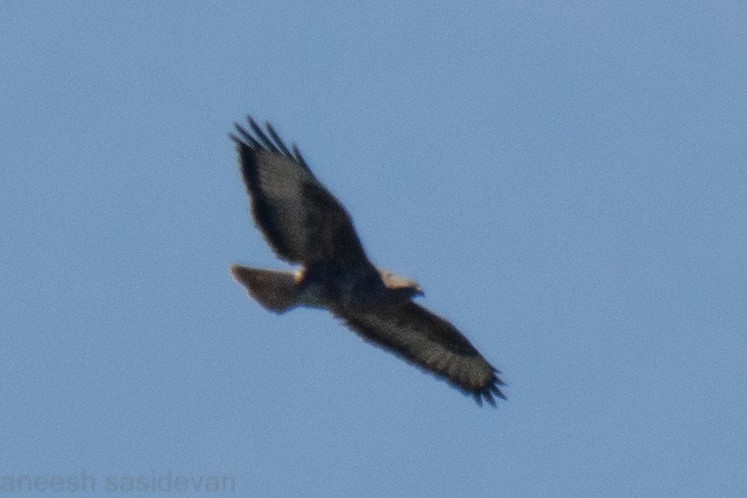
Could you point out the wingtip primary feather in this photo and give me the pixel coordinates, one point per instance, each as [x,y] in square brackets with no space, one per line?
[269,141]
[490,391]
[278,141]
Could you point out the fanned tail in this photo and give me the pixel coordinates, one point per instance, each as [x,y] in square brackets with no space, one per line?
[274,290]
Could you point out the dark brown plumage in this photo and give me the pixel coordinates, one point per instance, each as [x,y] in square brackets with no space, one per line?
[306,225]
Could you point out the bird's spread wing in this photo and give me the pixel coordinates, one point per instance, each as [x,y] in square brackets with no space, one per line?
[300,219]
[429,341]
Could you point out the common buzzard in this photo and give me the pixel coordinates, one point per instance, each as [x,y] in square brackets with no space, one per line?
[305,225]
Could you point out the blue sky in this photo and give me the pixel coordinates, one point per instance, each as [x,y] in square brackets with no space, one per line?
[567,180]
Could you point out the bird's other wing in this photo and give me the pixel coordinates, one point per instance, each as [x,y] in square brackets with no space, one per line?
[300,219]
[428,341]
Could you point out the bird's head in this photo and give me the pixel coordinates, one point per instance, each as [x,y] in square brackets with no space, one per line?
[402,285]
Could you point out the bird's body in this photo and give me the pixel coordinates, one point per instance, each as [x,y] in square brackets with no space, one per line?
[306,225]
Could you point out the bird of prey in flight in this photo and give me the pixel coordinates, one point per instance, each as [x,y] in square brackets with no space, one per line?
[306,225]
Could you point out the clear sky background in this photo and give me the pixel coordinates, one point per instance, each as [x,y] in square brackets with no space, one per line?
[567,180]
